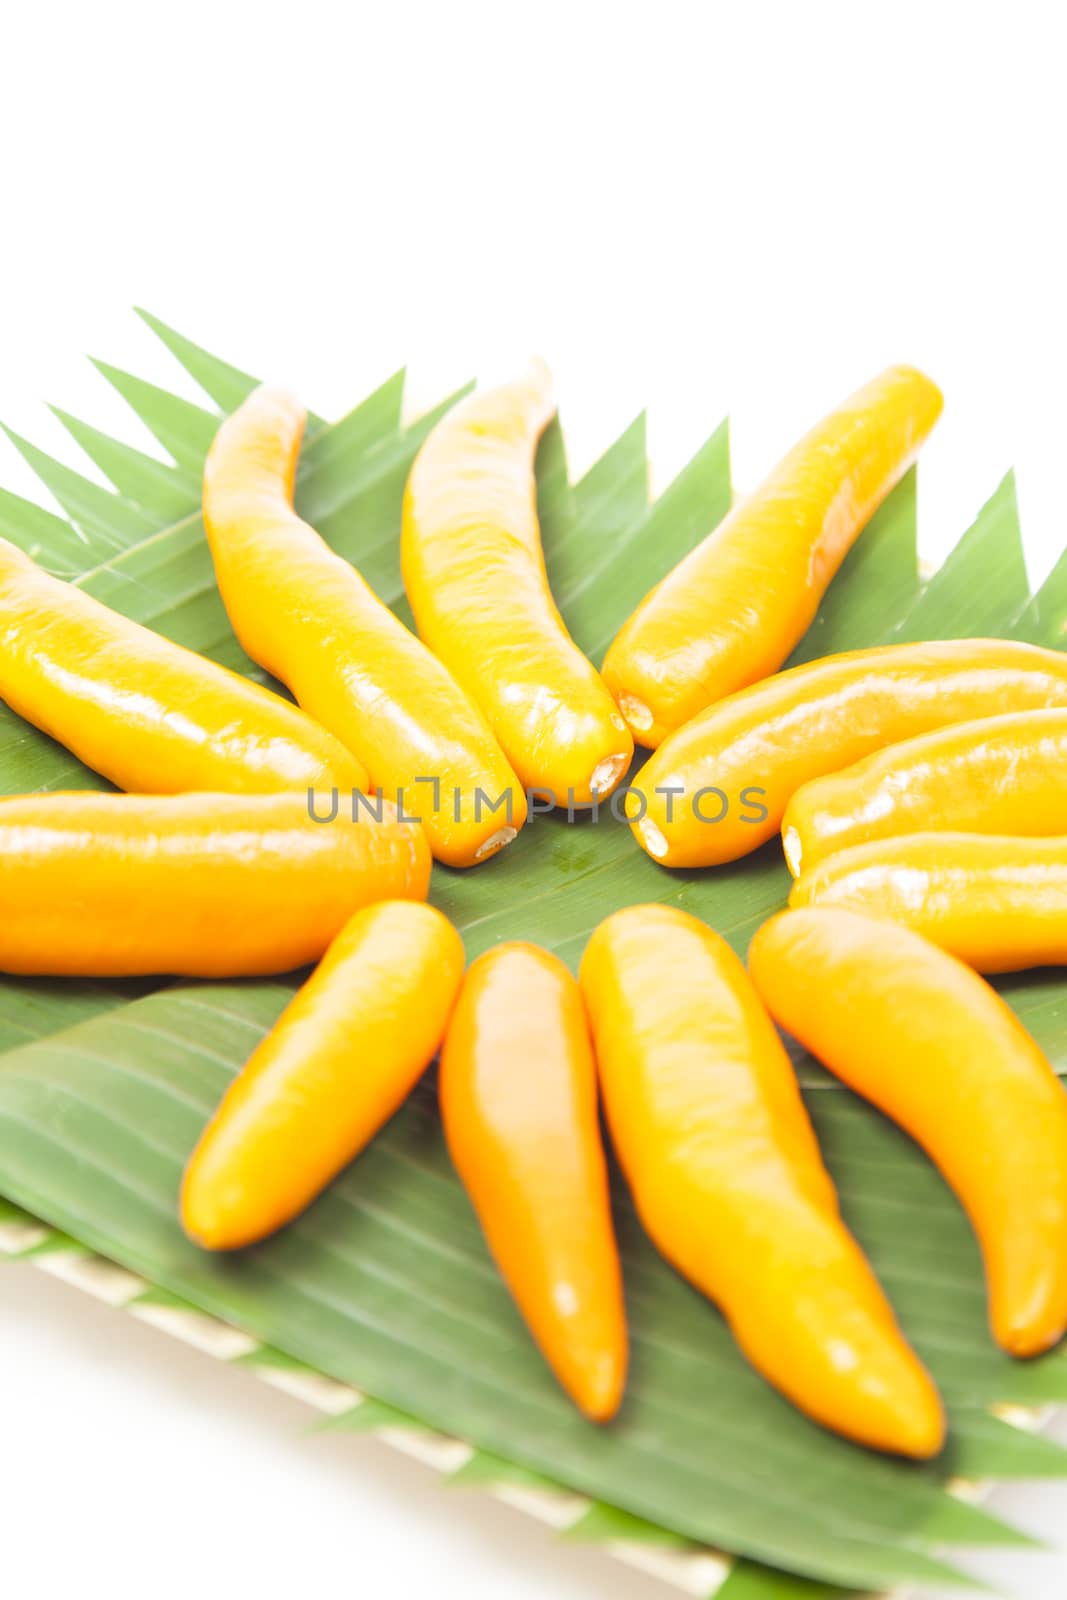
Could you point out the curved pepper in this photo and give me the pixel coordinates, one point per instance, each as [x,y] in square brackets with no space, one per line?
[998,903]
[1003,774]
[708,1123]
[343,1055]
[933,1046]
[204,885]
[144,712]
[732,610]
[719,787]
[475,576]
[307,616]
[519,1102]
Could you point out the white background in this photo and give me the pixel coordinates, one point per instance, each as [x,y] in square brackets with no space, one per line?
[707,208]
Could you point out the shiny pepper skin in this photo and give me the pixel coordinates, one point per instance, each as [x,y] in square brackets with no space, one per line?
[708,1123]
[475,575]
[519,1103]
[998,903]
[929,1043]
[732,610]
[719,787]
[203,885]
[1004,774]
[308,617]
[149,715]
[343,1055]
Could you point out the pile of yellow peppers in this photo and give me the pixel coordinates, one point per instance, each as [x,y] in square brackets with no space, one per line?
[917,788]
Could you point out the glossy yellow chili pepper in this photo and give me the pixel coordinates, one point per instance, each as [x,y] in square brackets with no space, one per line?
[307,616]
[711,1131]
[933,1046]
[341,1058]
[146,713]
[719,787]
[732,610]
[205,885]
[475,576]
[519,1102]
[1003,774]
[998,903]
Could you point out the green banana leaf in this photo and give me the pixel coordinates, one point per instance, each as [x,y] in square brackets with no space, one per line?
[385,1284]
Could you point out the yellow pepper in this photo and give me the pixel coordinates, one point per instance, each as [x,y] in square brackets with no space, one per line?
[205,885]
[719,787]
[1003,774]
[933,1046]
[142,711]
[732,610]
[711,1131]
[308,617]
[341,1058]
[475,576]
[998,903]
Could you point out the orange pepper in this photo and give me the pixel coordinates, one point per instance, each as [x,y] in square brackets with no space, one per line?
[146,713]
[711,1131]
[343,1055]
[732,610]
[934,1047]
[205,885]
[998,903]
[475,576]
[519,1102]
[719,787]
[308,617]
